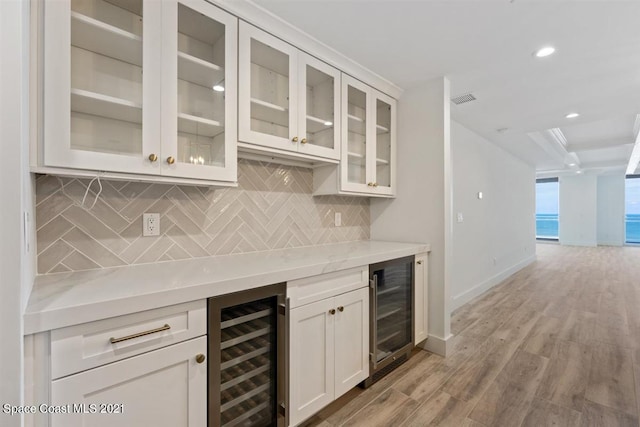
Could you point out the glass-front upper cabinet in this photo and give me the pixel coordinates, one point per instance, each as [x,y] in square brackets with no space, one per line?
[140,87]
[100,103]
[199,98]
[368,134]
[288,100]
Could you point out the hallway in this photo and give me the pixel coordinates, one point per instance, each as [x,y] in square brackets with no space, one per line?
[557,344]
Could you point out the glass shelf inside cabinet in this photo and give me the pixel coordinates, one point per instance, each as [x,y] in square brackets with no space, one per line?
[383,143]
[320,108]
[269,90]
[201,87]
[106,76]
[356,134]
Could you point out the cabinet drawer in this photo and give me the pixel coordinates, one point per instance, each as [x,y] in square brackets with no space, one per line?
[81,347]
[311,289]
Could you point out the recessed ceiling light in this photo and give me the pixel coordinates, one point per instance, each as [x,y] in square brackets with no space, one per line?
[572,115]
[328,123]
[579,172]
[218,88]
[572,164]
[545,51]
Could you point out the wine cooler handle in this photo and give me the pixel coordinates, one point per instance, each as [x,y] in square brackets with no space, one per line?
[373,284]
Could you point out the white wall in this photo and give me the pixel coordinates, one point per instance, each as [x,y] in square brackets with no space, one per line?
[497,235]
[16,264]
[610,211]
[421,212]
[578,210]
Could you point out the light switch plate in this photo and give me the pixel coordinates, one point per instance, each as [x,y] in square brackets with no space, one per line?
[480,195]
[460,217]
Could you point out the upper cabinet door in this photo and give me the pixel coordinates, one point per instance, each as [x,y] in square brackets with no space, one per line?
[383,159]
[101,85]
[356,175]
[199,91]
[319,108]
[267,94]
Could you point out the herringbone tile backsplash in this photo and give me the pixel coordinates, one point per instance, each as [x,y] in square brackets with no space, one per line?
[272,208]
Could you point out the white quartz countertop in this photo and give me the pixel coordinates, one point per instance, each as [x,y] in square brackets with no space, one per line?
[65,299]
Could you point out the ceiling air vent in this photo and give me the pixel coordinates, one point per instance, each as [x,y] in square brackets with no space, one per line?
[467,97]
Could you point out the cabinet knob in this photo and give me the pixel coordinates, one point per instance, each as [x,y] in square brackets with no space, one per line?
[375,184]
[341,309]
[332,311]
[152,157]
[200,358]
[370,184]
[304,140]
[294,139]
[419,262]
[171,160]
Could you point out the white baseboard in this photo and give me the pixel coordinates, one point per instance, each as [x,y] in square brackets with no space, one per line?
[618,243]
[436,345]
[590,244]
[465,297]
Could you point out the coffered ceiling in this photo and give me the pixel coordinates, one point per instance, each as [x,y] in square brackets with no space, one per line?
[486,47]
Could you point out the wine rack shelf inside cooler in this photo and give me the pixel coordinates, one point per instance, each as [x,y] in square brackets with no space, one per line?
[246,376]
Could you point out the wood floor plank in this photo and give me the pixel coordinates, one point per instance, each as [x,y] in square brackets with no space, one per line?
[542,338]
[439,410]
[578,327]
[506,402]
[389,409]
[594,415]
[517,326]
[566,377]
[543,413]
[611,378]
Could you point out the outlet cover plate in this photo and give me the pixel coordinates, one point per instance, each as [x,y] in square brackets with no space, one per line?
[151,224]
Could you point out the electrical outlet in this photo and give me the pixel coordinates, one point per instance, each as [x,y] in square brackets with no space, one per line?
[151,224]
[338,219]
[460,217]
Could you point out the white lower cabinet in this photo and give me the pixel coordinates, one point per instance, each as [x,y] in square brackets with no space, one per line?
[421,298]
[329,345]
[166,387]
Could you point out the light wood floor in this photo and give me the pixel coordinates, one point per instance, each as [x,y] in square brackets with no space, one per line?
[557,344]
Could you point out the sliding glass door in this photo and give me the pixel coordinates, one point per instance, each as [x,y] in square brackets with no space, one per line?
[632,209]
[547,214]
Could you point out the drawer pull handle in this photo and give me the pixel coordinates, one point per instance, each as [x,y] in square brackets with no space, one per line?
[166,327]
[419,262]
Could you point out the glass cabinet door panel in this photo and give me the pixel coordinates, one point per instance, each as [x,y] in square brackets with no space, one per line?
[356,115]
[319,99]
[383,144]
[106,87]
[269,90]
[201,89]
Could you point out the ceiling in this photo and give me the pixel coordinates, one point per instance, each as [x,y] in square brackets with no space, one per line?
[486,47]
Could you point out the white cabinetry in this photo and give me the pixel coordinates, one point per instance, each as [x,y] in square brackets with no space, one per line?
[329,340]
[129,88]
[368,159]
[289,102]
[146,369]
[421,298]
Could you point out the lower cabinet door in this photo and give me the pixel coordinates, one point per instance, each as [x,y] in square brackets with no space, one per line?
[351,331]
[165,387]
[311,364]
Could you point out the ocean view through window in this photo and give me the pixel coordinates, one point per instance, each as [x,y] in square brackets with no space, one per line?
[547,201]
[632,209]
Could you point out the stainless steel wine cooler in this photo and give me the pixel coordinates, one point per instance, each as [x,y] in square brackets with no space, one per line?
[391,327]
[247,349]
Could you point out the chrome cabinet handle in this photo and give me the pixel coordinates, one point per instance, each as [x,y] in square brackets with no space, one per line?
[166,327]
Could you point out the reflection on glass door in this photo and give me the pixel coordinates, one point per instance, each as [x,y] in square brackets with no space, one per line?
[547,213]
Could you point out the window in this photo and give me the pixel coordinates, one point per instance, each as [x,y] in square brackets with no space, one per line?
[547,200]
[632,209]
